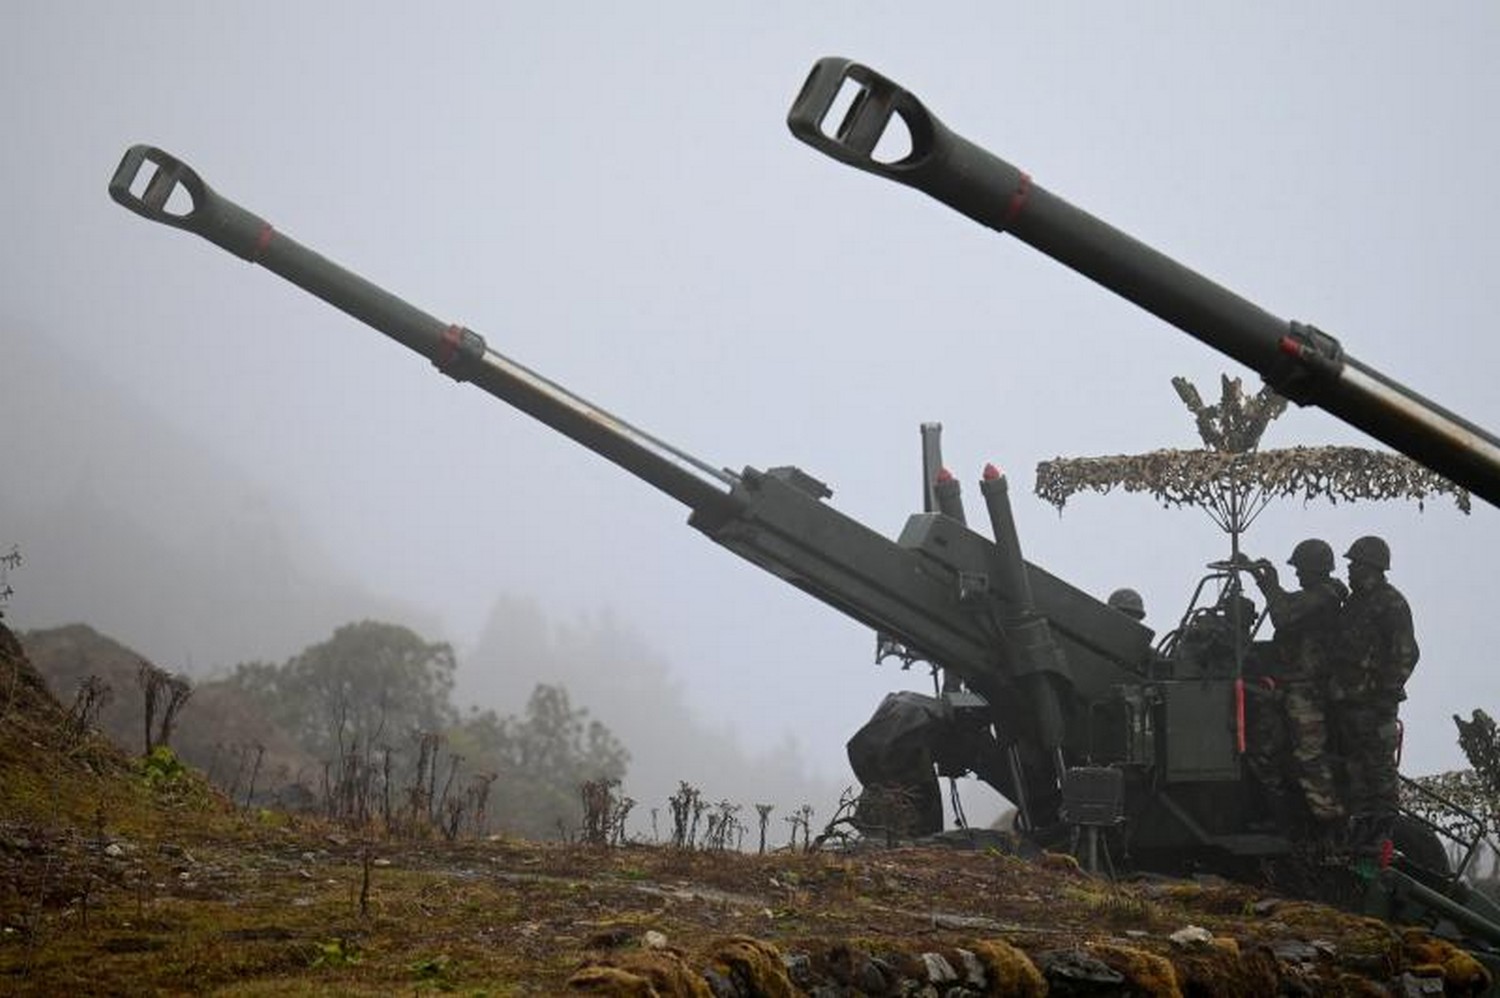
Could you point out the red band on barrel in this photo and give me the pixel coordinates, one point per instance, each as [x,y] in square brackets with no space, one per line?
[263,240]
[448,347]
[1017,200]
[1289,345]
[1239,715]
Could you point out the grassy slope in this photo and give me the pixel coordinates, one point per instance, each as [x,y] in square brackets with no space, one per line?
[112,881]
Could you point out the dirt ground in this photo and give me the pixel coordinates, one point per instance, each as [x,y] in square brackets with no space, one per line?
[119,876]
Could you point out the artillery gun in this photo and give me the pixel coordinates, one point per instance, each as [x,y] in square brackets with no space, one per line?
[1058,700]
[1300,361]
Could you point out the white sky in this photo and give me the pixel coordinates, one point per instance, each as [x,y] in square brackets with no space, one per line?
[608,193]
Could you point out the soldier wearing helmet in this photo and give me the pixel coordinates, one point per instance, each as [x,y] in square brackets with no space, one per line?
[1128,602]
[1376,653]
[1288,751]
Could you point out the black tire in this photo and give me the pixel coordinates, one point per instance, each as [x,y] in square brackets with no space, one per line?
[1420,847]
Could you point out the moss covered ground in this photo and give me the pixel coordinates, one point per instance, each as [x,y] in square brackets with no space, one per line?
[130,876]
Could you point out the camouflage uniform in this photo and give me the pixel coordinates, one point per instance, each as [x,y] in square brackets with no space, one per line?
[1378,652]
[1288,743]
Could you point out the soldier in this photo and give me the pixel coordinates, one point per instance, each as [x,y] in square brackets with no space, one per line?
[1128,602]
[1377,652]
[1290,744]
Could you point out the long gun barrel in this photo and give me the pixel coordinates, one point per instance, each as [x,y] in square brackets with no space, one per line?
[175,195]
[1300,361]
[919,589]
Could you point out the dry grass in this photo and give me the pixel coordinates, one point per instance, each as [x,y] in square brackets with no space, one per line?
[126,878]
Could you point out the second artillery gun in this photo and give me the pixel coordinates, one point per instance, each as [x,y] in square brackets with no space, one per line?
[1056,699]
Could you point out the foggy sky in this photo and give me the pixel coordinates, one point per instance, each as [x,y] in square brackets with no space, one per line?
[609,194]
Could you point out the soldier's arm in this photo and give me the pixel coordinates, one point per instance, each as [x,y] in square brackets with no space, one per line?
[1402,652]
[1289,609]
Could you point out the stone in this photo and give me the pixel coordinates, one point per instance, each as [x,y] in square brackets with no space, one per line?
[939,970]
[798,968]
[1191,936]
[1294,951]
[974,974]
[1074,966]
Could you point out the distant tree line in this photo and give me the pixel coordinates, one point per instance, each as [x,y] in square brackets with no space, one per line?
[372,709]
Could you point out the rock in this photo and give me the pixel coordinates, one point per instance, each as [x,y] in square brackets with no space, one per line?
[1409,985]
[654,940]
[799,968]
[974,974]
[1192,936]
[1294,951]
[114,850]
[877,975]
[1066,969]
[721,985]
[382,863]
[943,920]
[939,970]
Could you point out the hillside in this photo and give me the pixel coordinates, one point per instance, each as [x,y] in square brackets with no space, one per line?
[198,533]
[125,876]
[211,731]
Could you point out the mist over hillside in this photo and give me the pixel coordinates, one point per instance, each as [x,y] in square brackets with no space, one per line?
[239,578]
[235,578]
[613,670]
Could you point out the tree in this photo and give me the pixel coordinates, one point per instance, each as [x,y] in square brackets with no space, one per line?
[374,705]
[541,759]
[369,681]
[8,563]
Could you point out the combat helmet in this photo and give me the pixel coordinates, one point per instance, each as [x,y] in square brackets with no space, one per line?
[1128,602]
[1372,551]
[1312,555]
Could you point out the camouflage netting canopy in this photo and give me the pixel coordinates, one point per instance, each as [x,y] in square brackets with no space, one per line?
[1194,477]
[1231,478]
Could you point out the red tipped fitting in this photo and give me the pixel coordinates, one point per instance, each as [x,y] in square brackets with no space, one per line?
[991,473]
[944,475]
